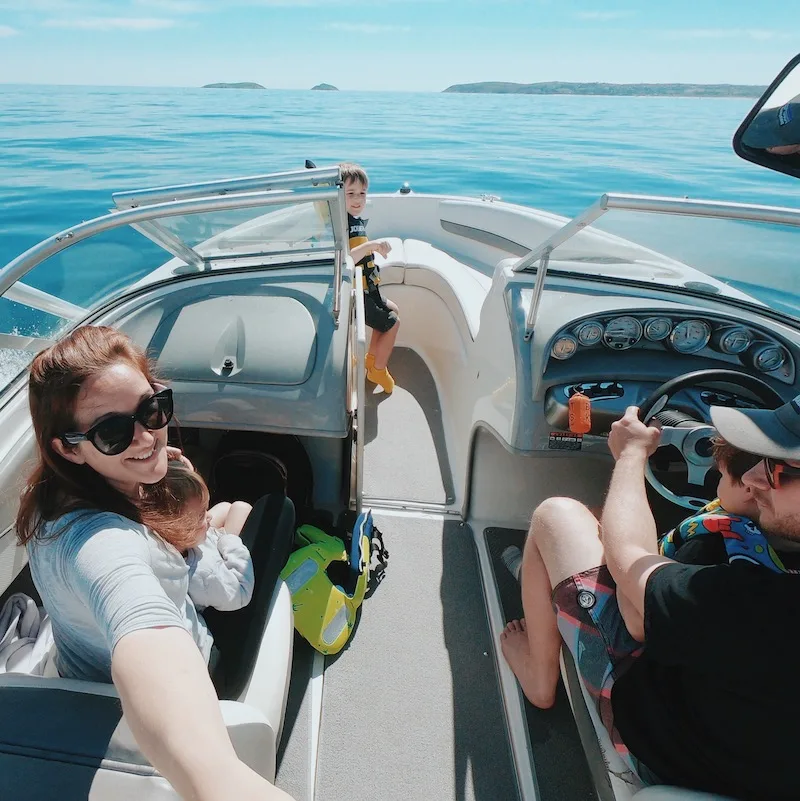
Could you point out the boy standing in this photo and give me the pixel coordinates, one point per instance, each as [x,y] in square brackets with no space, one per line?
[380,315]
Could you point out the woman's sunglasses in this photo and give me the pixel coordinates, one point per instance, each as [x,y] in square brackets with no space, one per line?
[777,470]
[114,435]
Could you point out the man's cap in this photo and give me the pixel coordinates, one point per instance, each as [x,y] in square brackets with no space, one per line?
[774,127]
[765,432]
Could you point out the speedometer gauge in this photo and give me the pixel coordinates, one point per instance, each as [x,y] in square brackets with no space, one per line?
[589,333]
[564,347]
[767,358]
[622,333]
[657,328]
[690,336]
[733,340]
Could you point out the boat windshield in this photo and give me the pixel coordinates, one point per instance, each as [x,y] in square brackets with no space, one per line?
[733,250]
[62,281]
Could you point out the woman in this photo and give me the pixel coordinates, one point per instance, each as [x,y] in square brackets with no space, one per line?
[116,590]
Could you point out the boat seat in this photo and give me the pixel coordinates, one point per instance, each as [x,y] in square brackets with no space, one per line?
[625,784]
[71,735]
[463,289]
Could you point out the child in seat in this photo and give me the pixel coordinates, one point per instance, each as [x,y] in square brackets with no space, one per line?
[220,568]
[723,530]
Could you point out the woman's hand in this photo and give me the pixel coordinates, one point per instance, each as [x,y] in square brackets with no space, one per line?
[177,453]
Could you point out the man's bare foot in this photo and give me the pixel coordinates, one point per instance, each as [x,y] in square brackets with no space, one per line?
[538,682]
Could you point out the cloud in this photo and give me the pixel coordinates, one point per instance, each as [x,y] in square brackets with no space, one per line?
[176,6]
[756,34]
[7,30]
[366,28]
[112,23]
[601,16]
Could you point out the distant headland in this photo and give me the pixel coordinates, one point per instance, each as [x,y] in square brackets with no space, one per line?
[324,87]
[629,89]
[242,85]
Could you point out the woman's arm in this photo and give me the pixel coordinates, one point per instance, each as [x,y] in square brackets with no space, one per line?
[173,712]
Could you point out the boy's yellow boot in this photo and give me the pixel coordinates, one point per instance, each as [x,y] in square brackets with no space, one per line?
[382,378]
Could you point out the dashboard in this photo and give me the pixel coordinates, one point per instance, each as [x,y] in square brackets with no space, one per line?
[719,339]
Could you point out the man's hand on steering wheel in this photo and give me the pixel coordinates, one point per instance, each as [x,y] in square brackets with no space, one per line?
[629,433]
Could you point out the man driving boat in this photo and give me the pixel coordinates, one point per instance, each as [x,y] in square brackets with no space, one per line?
[692,668]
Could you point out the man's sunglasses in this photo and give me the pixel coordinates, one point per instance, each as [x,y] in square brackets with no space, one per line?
[114,435]
[777,470]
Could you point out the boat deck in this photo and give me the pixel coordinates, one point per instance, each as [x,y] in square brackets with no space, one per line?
[411,708]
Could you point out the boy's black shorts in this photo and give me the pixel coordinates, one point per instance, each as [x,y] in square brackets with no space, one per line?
[377,314]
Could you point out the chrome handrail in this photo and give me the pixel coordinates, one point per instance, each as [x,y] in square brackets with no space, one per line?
[641,203]
[293,179]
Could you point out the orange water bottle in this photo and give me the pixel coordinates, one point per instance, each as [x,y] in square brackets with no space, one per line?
[580,414]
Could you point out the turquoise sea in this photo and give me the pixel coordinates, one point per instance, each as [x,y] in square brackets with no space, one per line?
[66,149]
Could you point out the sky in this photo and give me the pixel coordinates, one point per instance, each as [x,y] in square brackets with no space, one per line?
[397,45]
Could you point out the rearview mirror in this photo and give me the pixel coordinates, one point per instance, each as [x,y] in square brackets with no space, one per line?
[770,133]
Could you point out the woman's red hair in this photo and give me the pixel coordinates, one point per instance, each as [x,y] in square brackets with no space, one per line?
[56,485]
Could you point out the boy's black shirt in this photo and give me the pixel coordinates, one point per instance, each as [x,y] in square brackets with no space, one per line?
[357,233]
[713,701]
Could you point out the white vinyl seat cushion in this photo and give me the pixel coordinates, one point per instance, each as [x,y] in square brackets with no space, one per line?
[463,289]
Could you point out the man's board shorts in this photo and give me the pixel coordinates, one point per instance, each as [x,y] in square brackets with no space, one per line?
[377,314]
[592,627]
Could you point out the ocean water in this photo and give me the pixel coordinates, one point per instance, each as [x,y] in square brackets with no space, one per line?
[66,149]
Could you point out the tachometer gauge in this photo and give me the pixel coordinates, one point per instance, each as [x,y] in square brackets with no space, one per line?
[564,347]
[622,333]
[589,333]
[733,340]
[657,328]
[690,336]
[767,357]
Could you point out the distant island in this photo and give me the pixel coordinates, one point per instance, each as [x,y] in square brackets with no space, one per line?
[242,85]
[629,89]
[324,87]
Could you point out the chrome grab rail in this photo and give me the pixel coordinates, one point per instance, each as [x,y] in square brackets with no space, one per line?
[643,203]
[294,179]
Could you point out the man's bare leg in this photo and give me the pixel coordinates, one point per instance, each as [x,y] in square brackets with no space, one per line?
[563,540]
[532,652]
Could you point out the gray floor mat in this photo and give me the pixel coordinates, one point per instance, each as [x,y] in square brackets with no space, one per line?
[408,461]
[560,764]
[411,706]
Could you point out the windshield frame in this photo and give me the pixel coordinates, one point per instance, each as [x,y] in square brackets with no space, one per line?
[138,217]
[638,203]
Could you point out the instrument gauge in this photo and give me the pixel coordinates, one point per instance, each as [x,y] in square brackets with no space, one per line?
[734,340]
[690,336]
[657,328]
[564,347]
[589,333]
[767,358]
[622,333]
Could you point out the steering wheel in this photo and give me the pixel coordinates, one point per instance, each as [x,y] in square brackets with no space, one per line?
[693,440]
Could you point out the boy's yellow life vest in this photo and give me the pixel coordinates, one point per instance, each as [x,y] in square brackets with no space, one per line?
[324,613]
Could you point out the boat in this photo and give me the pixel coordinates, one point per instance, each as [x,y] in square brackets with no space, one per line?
[243,292]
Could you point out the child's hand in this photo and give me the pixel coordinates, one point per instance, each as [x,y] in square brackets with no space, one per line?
[382,247]
[177,454]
